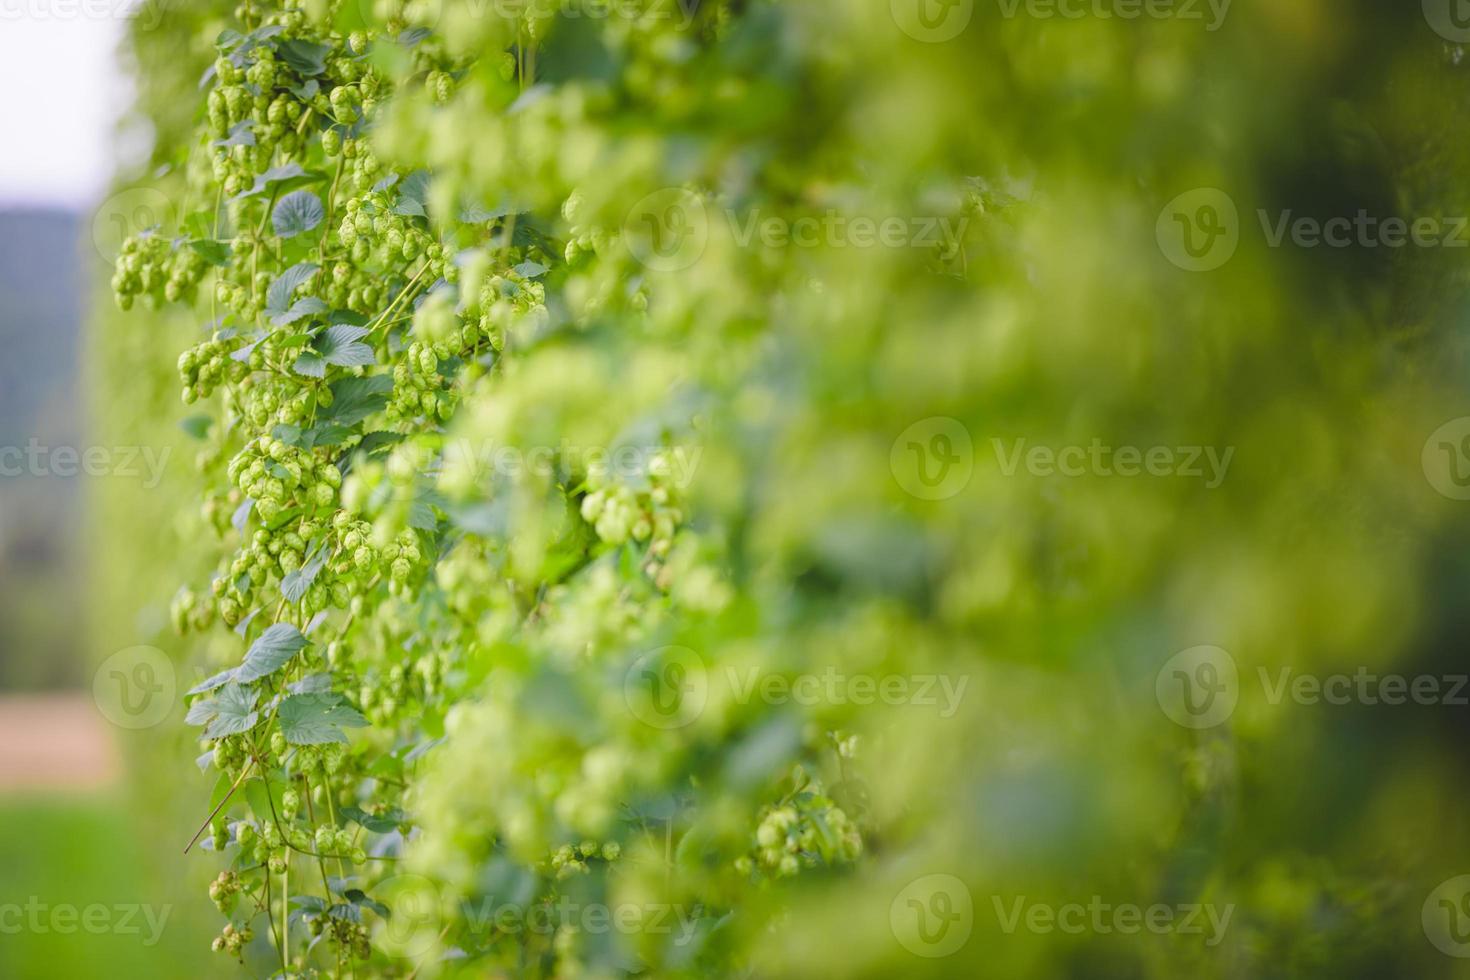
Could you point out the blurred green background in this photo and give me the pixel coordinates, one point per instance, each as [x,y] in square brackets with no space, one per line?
[1327,548]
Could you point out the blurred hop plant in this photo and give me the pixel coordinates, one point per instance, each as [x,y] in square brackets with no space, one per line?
[542,339]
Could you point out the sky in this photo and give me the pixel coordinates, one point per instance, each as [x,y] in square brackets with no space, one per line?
[61,91]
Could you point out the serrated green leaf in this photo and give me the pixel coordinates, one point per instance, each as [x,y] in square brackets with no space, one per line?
[354,399]
[270,652]
[318,683]
[359,897]
[305,306]
[264,797]
[289,434]
[233,710]
[214,252]
[241,134]
[383,823]
[310,365]
[345,912]
[211,683]
[325,435]
[317,719]
[295,584]
[375,442]
[243,354]
[340,345]
[413,195]
[278,296]
[286,177]
[306,57]
[296,213]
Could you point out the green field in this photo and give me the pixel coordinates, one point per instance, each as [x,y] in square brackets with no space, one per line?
[61,855]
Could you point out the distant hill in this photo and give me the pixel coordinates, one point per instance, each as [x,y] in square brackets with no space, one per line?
[42,285]
[40,316]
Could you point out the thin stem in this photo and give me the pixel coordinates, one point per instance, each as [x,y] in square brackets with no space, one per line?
[215,812]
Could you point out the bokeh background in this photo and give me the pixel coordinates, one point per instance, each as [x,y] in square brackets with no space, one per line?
[1328,548]
[73,832]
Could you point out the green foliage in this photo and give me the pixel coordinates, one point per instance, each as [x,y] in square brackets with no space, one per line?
[534,470]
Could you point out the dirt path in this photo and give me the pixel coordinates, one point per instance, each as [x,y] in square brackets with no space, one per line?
[54,742]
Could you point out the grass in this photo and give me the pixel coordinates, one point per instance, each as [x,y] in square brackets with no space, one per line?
[77,889]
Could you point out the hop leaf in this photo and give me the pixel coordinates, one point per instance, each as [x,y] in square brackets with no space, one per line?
[268,654]
[317,719]
[297,212]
